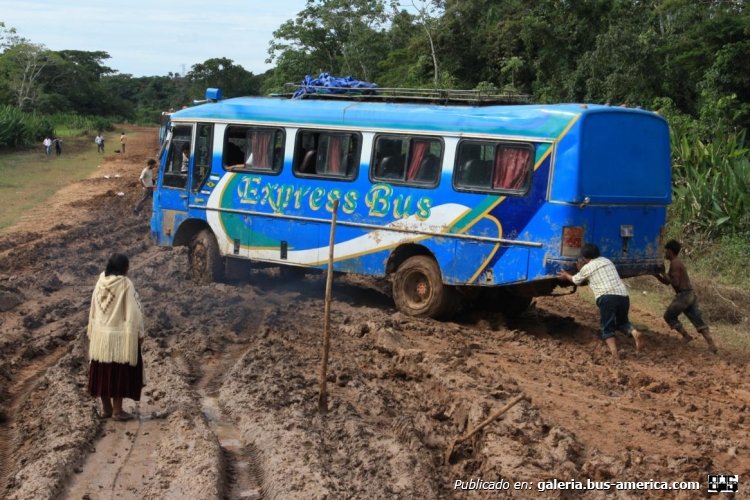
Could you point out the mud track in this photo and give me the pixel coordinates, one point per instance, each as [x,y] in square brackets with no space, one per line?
[229,410]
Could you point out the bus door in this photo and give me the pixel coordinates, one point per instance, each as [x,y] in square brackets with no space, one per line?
[200,167]
[173,197]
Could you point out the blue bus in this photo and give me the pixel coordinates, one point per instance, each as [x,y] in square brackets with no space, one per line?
[448,201]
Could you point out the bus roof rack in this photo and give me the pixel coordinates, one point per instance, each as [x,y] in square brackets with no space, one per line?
[408,95]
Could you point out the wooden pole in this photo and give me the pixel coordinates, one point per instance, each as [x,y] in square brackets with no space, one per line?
[322,391]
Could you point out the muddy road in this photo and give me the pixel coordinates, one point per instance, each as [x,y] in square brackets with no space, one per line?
[230,405]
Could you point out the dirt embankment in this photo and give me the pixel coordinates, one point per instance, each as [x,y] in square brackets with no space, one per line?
[230,404]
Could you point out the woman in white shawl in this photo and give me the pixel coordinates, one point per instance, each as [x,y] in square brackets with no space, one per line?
[115,332]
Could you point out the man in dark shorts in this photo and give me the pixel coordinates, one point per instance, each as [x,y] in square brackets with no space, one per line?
[610,292]
[685,300]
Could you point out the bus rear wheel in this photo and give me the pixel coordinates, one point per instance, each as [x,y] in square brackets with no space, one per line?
[206,264]
[418,289]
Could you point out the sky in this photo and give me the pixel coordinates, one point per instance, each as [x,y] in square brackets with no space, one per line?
[153,38]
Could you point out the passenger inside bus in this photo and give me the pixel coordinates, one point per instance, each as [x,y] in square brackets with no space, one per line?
[308,162]
[472,170]
[233,156]
[391,165]
[423,164]
[429,169]
[477,173]
[173,174]
[306,153]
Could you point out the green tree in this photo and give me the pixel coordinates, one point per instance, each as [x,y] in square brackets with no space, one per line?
[725,88]
[427,17]
[21,66]
[337,36]
[8,37]
[622,66]
[73,82]
[692,35]
[510,69]
[232,79]
[404,64]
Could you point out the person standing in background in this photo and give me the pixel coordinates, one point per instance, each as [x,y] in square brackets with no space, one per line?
[99,140]
[123,142]
[185,162]
[147,182]
[47,146]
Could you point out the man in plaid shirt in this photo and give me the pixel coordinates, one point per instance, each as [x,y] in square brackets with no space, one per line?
[610,292]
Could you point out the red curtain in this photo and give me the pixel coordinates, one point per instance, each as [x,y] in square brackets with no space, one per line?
[510,168]
[261,141]
[335,165]
[418,151]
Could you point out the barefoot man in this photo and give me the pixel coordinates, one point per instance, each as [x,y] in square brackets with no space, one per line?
[610,292]
[685,300]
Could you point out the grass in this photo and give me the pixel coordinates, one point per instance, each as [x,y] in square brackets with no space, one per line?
[28,178]
[725,260]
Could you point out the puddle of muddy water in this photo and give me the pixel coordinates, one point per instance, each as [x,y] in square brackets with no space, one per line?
[240,460]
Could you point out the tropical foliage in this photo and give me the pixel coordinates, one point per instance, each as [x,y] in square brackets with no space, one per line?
[18,128]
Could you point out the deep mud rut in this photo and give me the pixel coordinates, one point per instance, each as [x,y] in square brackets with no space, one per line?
[230,406]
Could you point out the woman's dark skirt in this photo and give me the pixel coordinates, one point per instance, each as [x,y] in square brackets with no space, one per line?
[116,380]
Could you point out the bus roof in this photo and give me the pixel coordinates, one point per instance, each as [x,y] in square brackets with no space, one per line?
[542,121]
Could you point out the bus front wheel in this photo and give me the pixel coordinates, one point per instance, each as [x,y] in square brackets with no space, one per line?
[206,264]
[418,289]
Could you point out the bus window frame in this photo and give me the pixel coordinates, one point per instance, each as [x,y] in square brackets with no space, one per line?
[296,160]
[165,142]
[411,184]
[169,151]
[196,183]
[497,144]
[254,170]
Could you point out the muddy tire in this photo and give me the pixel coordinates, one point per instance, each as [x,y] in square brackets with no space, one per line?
[418,289]
[206,264]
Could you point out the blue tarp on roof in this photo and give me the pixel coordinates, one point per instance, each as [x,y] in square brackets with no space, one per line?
[327,84]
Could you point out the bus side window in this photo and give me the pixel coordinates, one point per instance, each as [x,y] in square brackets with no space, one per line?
[174,176]
[407,160]
[327,154]
[492,166]
[253,149]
